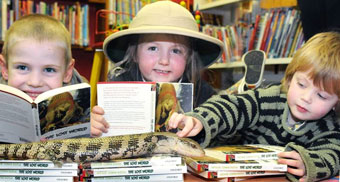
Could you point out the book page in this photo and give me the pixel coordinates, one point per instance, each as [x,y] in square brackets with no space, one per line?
[67,114]
[128,107]
[16,119]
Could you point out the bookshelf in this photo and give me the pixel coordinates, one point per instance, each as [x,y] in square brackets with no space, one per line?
[82,47]
[244,29]
[242,23]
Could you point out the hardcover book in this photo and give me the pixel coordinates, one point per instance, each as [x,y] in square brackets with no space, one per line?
[230,174]
[35,164]
[38,178]
[156,160]
[244,152]
[55,114]
[134,171]
[207,163]
[141,107]
[149,178]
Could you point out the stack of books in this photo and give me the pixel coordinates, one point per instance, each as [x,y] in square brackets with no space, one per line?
[42,171]
[237,162]
[160,168]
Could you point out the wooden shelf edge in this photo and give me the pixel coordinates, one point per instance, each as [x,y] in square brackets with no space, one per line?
[239,64]
[216,3]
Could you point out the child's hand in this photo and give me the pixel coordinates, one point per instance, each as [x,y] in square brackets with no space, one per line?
[294,162]
[190,126]
[98,122]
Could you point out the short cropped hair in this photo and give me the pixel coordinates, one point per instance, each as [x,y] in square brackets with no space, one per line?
[320,56]
[40,28]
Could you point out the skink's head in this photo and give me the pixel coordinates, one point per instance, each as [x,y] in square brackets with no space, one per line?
[171,143]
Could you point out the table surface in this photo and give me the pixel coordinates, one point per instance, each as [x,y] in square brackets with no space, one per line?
[191,178]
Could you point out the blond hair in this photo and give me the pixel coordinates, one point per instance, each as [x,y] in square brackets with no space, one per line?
[39,28]
[320,56]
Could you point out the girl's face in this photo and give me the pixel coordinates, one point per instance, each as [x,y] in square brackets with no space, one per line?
[162,58]
[306,101]
[35,67]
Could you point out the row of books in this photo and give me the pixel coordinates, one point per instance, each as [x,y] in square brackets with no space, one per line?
[237,162]
[74,16]
[278,32]
[225,163]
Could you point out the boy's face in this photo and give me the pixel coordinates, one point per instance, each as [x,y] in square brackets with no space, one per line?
[161,58]
[35,67]
[306,101]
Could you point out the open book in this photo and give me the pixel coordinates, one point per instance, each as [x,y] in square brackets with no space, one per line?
[55,114]
[141,107]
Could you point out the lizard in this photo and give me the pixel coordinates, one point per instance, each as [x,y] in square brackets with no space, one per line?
[103,148]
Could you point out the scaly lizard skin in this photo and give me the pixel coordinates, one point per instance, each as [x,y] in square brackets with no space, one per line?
[102,149]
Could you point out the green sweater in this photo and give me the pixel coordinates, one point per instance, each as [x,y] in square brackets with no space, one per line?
[260,116]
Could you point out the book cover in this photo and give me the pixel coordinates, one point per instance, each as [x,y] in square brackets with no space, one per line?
[207,163]
[134,171]
[155,160]
[152,178]
[56,114]
[244,152]
[141,107]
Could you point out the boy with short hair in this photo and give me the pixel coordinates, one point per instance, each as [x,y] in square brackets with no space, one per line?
[36,55]
[298,114]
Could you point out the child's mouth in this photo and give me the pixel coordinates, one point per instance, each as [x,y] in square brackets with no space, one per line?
[162,71]
[33,94]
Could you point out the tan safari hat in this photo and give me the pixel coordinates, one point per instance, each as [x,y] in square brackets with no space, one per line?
[163,17]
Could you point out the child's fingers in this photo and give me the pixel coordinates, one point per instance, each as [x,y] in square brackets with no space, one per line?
[98,110]
[296,172]
[95,132]
[187,128]
[175,119]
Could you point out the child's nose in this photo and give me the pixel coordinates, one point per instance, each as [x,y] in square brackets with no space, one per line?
[307,96]
[164,59]
[35,80]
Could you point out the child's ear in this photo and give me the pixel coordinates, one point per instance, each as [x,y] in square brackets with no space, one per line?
[3,66]
[69,72]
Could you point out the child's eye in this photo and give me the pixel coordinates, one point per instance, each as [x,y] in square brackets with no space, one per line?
[177,51]
[50,70]
[301,84]
[152,48]
[22,67]
[322,96]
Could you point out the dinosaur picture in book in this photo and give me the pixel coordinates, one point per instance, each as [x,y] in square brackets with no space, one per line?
[169,100]
[63,110]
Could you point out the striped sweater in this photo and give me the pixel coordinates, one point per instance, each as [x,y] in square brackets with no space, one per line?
[260,116]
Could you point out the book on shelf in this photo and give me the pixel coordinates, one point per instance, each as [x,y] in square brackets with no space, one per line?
[38,178]
[177,177]
[230,174]
[35,164]
[244,152]
[55,114]
[207,163]
[149,170]
[155,160]
[141,107]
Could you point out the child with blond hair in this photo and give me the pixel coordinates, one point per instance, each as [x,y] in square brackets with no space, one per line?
[298,114]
